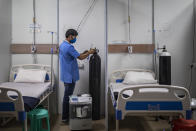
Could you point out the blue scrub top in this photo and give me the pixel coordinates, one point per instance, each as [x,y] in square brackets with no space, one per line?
[68,63]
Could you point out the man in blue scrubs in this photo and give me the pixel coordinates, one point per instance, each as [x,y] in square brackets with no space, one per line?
[69,68]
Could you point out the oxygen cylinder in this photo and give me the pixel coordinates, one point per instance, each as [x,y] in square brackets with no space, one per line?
[94,84]
[165,68]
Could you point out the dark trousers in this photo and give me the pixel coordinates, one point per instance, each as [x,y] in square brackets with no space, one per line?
[69,89]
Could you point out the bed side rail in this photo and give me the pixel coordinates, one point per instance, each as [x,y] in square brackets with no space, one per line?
[112,97]
[11,107]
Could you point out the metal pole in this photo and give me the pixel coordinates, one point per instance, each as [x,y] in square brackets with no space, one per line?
[129,21]
[153,23]
[34,21]
[194,31]
[34,33]
[193,46]
[153,38]
[52,59]
[106,65]
[57,87]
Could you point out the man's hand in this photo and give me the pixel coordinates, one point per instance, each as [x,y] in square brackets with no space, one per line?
[91,51]
[85,51]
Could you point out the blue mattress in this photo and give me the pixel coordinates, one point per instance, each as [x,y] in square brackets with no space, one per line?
[29,102]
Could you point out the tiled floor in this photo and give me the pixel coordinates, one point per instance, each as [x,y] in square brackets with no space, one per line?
[98,125]
[129,124]
[141,124]
[56,125]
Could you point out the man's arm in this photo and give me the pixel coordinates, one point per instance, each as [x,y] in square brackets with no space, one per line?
[85,54]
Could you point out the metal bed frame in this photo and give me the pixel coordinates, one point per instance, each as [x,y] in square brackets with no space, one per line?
[151,103]
[10,107]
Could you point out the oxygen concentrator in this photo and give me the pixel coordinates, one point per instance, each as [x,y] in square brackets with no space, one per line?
[80,112]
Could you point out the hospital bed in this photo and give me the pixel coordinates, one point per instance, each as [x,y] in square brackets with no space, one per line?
[147,99]
[18,98]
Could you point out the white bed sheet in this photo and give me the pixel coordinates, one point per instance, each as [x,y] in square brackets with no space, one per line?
[118,87]
[28,89]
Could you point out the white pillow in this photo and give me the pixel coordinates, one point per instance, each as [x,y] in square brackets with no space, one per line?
[138,78]
[31,76]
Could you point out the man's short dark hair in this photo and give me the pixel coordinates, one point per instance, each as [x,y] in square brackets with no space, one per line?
[71,32]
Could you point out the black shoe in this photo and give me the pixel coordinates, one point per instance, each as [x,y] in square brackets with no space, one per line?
[65,121]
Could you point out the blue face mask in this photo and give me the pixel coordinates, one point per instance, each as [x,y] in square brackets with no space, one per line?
[73,41]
